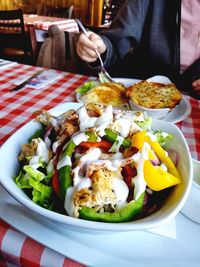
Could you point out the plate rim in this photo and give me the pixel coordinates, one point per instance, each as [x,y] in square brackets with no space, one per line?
[23,224]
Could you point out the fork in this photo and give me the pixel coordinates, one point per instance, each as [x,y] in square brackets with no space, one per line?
[104,76]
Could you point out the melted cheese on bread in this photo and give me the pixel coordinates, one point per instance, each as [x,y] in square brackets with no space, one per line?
[106,94]
[154,95]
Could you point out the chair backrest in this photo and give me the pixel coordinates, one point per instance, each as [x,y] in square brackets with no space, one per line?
[62,12]
[59,51]
[11,21]
[12,28]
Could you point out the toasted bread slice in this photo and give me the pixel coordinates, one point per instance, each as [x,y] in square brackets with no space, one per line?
[106,94]
[154,95]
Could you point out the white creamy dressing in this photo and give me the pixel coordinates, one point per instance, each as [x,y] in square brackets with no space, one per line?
[94,159]
[124,122]
[79,138]
[124,126]
[42,151]
[69,203]
[116,146]
[55,146]
[100,122]
[35,162]
[134,128]
[42,154]
[47,141]
[84,183]
[92,155]
[87,164]
[101,132]
[64,161]
[152,136]
[138,180]
[129,114]
[164,167]
[121,189]
[54,122]
[50,167]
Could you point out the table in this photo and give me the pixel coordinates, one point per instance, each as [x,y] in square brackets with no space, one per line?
[15,110]
[40,24]
[43,23]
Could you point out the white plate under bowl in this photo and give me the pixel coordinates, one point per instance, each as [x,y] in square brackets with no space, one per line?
[10,167]
[179,113]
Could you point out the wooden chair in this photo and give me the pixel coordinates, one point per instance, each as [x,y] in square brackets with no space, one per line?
[15,43]
[51,11]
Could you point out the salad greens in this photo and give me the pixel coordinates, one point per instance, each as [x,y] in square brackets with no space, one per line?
[100,169]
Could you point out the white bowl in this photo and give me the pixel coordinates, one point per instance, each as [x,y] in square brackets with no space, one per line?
[174,203]
[156,113]
[192,206]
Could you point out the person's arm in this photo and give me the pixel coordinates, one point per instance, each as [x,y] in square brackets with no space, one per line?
[191,79]
[114,43]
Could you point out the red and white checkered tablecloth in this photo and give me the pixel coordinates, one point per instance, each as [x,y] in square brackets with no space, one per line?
[44,22]
[16,109]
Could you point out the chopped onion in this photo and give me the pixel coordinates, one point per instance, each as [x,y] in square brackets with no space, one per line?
[155,161]
[46,137]
[173,155]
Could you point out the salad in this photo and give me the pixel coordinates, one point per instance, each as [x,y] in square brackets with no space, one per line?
[97,163]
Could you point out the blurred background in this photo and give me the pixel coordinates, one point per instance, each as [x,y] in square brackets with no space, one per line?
[91,12]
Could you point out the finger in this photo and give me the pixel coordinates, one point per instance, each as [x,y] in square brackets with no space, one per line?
[101,47]
[85,41]
[196,83]
[84,50]
[84,56]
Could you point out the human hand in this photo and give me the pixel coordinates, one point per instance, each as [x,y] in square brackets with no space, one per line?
[196,86]
[86,46]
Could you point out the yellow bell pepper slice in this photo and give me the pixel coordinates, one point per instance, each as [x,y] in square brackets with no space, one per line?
[158,179]
[152,155]
[162,155]
[137,139]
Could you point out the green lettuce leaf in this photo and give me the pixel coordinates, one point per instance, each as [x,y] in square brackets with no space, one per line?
[42,194]
[22,181]
[87,86]
[37,175]
[146,124]
[163,137]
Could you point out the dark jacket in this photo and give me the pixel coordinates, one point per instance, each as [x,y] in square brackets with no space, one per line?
[144,40]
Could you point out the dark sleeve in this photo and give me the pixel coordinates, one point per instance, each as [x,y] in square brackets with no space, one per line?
[191,74]
[124,32]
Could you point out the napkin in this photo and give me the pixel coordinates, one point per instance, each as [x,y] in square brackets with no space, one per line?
[4,64]
[45,78]
[167,229]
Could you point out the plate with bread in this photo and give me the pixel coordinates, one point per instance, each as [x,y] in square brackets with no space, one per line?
[157,96]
